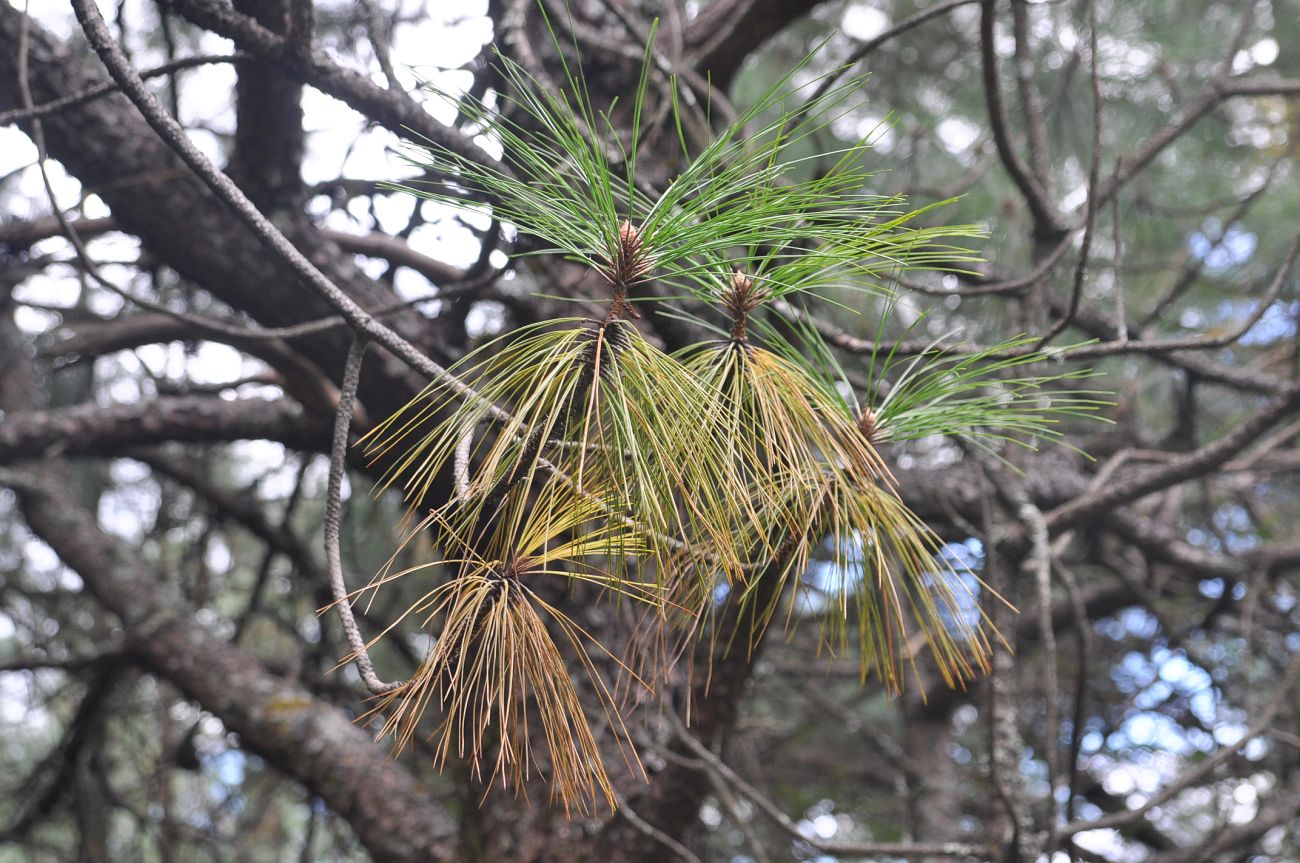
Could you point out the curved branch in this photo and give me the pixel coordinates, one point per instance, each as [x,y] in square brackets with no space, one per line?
[333,518]
[90,429]
[395,817]
[1190,466]
[392,109]
[100,90]
[1047,221]
[728,31]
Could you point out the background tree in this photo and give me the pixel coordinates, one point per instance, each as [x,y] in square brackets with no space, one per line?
[171,375]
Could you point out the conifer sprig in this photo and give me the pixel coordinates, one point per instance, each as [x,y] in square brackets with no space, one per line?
[571,181]
[816,480]
[589,457]
[597,400]
[495,671]
[993,394]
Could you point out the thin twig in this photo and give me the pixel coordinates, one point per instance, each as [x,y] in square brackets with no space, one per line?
[1116,273]
[1192,265]
[1005,286]
[333,518]
[731,805]
[1006,748]
[1083,636]
[1217,89]
[1030,98]
[1202,768]
[32,112]
[1040,558]
[1271,293]
[1189,466]
[1094,178]
[1047,222]
[648,829]
[666,65]
[379,42]
[786,823]
[880,39]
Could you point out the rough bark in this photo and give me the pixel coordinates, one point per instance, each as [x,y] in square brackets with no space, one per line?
[728,31]
[394,816]
[109,147]
[88,429]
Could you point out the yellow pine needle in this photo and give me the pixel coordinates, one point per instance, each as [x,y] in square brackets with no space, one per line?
[640,434]
[779,422]
[891,574]
[495,670]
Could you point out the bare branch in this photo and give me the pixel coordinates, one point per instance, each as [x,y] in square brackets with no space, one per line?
[379,42]
[1094,173]
[90,429]
[393,109]
[1187,467]
[333,516]
[839,849]
[75,99]
[1047,221]
[871,45]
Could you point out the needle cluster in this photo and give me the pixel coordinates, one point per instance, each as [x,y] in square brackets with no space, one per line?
[743,466]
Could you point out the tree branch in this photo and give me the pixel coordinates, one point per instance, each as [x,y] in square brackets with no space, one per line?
[394,817]
[90,429]
[1048,223]
[728,31]
[392,109]
[1190,466]
[91,93]
[333,517]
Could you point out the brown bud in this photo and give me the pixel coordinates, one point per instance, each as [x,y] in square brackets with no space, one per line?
[870,428]
[629,261]
[740,298]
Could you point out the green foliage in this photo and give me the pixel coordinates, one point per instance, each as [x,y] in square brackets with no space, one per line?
[587,453]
